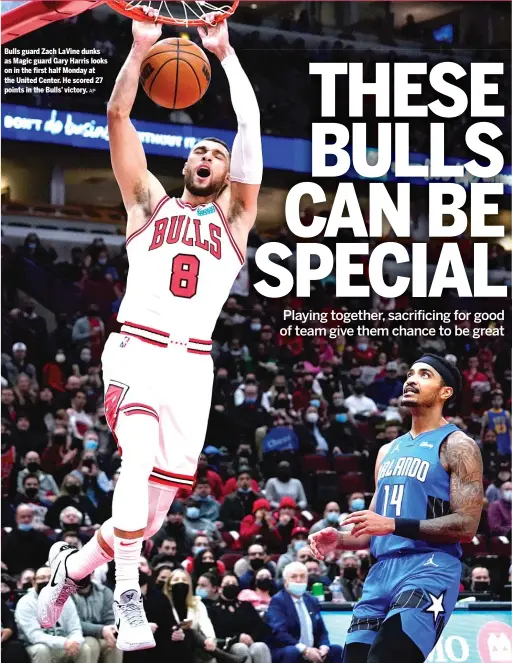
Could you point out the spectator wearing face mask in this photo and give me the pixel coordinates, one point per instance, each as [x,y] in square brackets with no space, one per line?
[57,459]
[24,547]
[283,485]
[207,588]
[298,542]
[79,420]
[257,558]
[237,625]
[342,435]
[260,523]
[13,366]
[364,564]
[48,489]
[96,484]
[331,518]
[214,479]
[311,432]
[166,553]
[62,642]
[493,491]
[297,630]
[480,579]
[30,496]
[242,396]
[71,495]
[251,414]
[260,591]
[94,606]
[328,381]
[209,508]
[256,550]
[356,502]
[195,525]
[499,513]
[232,485]
[315,574]
[25,437]
[387,389]
[359,404]
[364,353]
[351,585]
[239,504]
[174,528]
[26,580]
[203,562]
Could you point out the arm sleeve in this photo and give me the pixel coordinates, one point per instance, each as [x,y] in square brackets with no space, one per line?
[247,157]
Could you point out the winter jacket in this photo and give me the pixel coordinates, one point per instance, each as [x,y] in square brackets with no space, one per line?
[95,610]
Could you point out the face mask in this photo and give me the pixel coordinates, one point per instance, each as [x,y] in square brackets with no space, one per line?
[26,586]
[244,491]
[160,584]
[365,564]
[250,400]
[350,573]
[192,512]
[257,563]
[179,592]
[337,402]
[297,588]
[507,495]
[85,356]
[143,578]
[32,245]
[91,445]
[73,489]
[33,466]
[255,326]
[283,475]
[102,261]
[363,346]
[315,402]
[333,517]
[298,545]
[25,527]
[59,439]
[31,492]
[313,579]
[341,417]
[202,592]
[359,390]
[265,584]
[40,586]
[280,389]
[357,504]
[480,586]
[198,549]
[60,358]
[230,592]
[311,417]
[308,384]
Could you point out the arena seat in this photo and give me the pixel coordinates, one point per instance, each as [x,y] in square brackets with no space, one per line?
[476,547]
[326,489]
[346,463]
[352,482]
[313,463]
[229,560]
[500,546]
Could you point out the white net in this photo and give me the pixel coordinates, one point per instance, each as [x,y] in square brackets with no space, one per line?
[182,12]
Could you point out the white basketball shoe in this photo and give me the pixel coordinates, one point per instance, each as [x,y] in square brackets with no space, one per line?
[52,598]
[134,632]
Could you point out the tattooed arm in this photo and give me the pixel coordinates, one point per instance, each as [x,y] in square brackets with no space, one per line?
[461,457]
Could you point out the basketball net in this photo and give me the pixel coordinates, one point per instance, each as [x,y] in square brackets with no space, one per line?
[184,13]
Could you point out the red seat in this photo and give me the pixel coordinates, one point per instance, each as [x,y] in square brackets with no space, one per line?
[346,463]
[229,560]
[311,464]
[499,547]
[353,482]
[476,547]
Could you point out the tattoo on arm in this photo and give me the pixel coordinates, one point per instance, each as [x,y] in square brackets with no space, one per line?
[462,458]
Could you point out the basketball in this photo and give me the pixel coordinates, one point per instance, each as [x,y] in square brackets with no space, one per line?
[175,73]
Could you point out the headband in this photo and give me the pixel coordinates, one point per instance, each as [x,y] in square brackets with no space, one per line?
[449,376]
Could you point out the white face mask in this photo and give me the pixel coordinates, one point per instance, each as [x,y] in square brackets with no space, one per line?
[507,495]
[311,417]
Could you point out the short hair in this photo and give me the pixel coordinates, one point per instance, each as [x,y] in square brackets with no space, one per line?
[293,566]
[212,578]
[202,480]
[216,140]
[30,476]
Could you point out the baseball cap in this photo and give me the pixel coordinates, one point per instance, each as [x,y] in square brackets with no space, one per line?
[19,347]
[176,507]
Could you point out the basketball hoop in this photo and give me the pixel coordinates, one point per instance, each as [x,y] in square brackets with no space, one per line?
[184,13]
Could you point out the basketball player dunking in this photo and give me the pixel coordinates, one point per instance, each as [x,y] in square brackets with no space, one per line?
[428,499]
[184,254]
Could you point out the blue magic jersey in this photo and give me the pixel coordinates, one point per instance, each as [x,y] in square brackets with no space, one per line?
[412,483]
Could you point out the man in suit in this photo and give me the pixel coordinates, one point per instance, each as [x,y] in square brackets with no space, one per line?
[297,630]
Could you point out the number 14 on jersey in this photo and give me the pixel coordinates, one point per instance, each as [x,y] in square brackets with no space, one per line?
[393,496]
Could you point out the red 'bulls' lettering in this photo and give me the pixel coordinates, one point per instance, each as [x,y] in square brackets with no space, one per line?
[187,231]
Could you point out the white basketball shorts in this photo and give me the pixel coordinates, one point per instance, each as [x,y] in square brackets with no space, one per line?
[148,373]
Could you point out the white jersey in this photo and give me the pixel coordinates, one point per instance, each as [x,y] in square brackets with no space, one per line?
[183,263]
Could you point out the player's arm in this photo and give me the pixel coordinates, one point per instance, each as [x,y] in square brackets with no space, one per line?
[138,186]
[246,169]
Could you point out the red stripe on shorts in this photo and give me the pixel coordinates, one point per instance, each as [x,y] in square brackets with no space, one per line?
[146,340]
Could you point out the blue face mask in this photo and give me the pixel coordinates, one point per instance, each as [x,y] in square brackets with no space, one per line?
[198,549]
[90,445]
[341,417]
[25,527]
[245,491]
[297,588]
[202,592]
[192,512]
[298,545]
[357,504]
[32,245]
[333,517]
[256,326]
[315,402]
[363,347]
[250,399]
[202,499]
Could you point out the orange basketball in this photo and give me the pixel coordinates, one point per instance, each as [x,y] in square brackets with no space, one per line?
[175,73]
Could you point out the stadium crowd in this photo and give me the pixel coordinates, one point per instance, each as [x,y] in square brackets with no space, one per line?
[295,426]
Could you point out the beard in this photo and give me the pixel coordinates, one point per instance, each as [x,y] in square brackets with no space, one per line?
[204,190]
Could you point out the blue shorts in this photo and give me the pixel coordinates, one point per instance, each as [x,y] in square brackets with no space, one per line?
[422,587]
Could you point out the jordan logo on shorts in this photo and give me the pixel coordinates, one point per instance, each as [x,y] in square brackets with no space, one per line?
[430,562]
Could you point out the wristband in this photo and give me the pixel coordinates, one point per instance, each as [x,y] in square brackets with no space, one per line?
[408,528]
